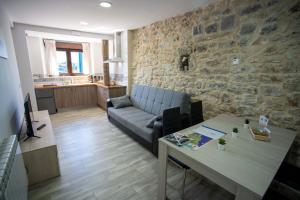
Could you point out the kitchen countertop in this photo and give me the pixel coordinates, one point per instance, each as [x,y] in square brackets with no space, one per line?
[111,86]
[44,86]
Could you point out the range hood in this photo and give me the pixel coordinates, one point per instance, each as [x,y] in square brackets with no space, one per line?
[117,49]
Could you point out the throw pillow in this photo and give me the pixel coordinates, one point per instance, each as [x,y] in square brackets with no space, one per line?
[150,123]
[121,102]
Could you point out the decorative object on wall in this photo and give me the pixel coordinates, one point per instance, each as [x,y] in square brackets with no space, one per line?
[184,62]
[197,30]
[184,58]
[3,51]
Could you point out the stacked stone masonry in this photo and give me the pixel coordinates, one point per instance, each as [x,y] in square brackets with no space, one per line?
[264,35]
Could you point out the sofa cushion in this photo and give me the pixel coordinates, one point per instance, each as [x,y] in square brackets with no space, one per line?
[121,102]
[155,100]
[134,119]
[150,123]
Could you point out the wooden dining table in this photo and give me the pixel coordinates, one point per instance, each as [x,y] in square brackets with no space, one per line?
[246,168]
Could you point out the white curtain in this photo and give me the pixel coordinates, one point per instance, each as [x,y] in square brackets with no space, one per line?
[50,57]
[86,58]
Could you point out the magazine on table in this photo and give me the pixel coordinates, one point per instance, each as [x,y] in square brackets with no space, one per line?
[195,138]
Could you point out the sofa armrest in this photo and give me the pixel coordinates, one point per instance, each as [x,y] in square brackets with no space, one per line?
[157,133]
[171,121]
[185,120]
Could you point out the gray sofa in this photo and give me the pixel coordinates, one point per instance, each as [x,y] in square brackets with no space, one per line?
[174,107]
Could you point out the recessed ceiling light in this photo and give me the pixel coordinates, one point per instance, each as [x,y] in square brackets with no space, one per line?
[84,23]
[105,4]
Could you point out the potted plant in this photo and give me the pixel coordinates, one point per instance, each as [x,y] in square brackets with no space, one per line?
[221,144]
[235,132]
[246,124]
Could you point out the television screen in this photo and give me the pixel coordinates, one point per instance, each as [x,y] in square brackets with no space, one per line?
[28,115]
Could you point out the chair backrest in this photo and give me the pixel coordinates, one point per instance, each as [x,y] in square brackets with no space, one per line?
[155,100]
[196,113]
[171,121]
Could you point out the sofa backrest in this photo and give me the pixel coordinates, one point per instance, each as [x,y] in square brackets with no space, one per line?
[155,100]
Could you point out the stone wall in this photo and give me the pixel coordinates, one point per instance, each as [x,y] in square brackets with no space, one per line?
[265,37]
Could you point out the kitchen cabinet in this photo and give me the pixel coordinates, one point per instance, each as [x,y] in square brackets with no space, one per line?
[75,96]
[45,99]
[57,97]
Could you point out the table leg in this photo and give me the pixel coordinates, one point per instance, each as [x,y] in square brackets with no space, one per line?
[162,161]
[244,194]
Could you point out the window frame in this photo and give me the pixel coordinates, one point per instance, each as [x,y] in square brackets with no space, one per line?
[68,48]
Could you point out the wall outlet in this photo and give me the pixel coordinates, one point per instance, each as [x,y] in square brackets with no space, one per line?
[235,61]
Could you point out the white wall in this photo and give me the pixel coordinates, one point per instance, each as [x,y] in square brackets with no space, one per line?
[36,55]
[22,55]
[20,43]
[96,57]
[11,98]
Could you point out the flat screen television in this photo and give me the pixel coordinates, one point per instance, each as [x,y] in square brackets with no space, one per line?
[28,117]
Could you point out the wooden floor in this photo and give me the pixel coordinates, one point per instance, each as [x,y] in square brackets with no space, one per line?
[98,161]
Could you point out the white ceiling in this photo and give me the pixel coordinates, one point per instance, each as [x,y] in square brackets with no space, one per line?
[62,37]
[124,14]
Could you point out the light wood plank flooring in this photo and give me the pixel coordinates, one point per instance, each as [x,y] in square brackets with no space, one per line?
[98,161]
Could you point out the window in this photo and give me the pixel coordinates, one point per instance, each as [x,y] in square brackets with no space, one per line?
[69,58]
[76,59]
[61,57]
